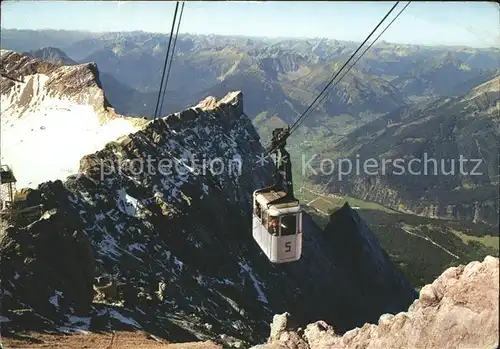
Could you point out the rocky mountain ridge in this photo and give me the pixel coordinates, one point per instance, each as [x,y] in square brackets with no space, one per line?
[178,243]
[52,55]
[58,111]
[437,135]
[79,83]
[176,238]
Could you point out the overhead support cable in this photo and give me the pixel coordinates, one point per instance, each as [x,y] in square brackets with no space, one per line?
[171,58]
[363,53]
[166,60]
[335,75]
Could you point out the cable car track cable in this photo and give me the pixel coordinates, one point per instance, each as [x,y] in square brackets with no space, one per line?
[171,58]
[343,67]
[334,77]
[166,59]
[362,54]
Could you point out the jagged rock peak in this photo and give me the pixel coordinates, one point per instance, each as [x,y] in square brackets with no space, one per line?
[234,99]
[209,118]
[52,55]
[79,83]
[460,309]
[208,121]
[227,109]
[355,246]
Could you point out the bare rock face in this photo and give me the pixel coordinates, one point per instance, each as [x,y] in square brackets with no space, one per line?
[316,335]
[79,83]
[53,267]
[282,336]
[459,309]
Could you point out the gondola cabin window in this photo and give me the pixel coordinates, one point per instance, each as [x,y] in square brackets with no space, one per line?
[273,226]
[258,211]
[288,224]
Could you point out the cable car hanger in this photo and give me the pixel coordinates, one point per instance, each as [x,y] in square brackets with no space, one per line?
[160,96]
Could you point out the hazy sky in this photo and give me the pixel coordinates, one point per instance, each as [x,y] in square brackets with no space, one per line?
[452,23]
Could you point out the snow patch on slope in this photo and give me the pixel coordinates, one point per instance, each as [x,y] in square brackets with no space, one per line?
[55,299]
[257,284]
[43,138]
[128,204]
[27,94]
[123,319]
[4,51]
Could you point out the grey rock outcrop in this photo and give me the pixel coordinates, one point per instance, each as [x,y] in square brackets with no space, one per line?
[460,309]
[79,82]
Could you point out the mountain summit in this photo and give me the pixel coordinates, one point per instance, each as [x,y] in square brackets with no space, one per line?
[52,115]
[52,55]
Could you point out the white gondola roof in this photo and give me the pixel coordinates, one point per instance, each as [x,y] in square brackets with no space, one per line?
[285,207]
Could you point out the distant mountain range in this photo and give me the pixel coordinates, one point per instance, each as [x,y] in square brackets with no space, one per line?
[279,78]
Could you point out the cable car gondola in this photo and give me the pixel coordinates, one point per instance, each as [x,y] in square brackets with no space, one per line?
[277,215]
